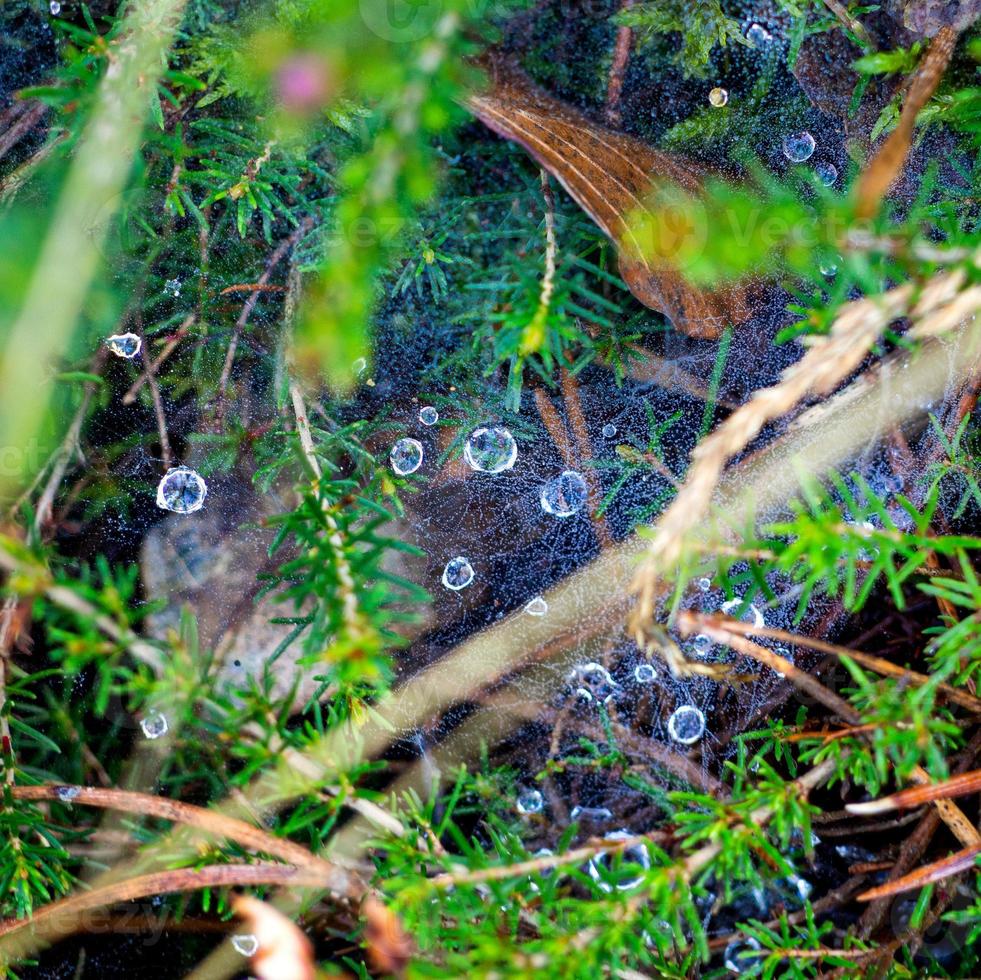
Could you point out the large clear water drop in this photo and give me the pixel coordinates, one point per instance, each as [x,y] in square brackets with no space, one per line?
[457,574]
[490,449]
[181,490]
[687,724]
[565,494]
[406,456]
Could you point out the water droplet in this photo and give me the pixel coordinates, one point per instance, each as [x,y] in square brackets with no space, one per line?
[737,956]
[565,494]
[246,944]
[173,286]
[758,35]
[827,268]
[529,801]
[718,97]
[55,8]
[687,724]
[537,606]
[645,673]
[181,490]
[786,654]
[66,793]
[749,615]
[428,415]
[704,584]
[593,682]
[458,574]
[359,366]
[609,431]
[490,449]
[406,456]
[154,725]
[797,147]
[826,172]
[702,644]
[124,345]
[618,869]
[595,813]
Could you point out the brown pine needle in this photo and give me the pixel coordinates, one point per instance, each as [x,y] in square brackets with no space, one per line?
[963,785]
[928,874]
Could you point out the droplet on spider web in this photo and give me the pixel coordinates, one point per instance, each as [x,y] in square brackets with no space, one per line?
[406,456]
[66,793]
[786,654]
[797,147]
[245,943]
[718,97]
[704,584]
[826,172]
[749,615]
[55,8]
[428,415]
[490,449]
[645,673]
[593,682]
[565,494]
[458,573]
[609,430]
[827,267]
[154,725]
[618,869]
[739,955]
[529,801]
[173,286]
[126,345]
[537,606]
[181,490]
[758,35]
[702,644]
[687,724]
[595,813]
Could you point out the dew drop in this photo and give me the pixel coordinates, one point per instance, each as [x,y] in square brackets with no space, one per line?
[737,956]
[181,490]
[596,813]
[490,449]
[125,345]
[406,456]
[609,430]
[529,801]
[687,724]
[66,793]
[827,268]
[593,682]
[458,574]
[751,614]
[617,869]
[826,172]
[245,943]
[428,415]
[645,673]
[704,584]
[786,654]
[565,494]
[173,286]
[55,8]
[797,147]
[702,644]
[758,35]
[359,366]
[537,606]
[154,725]
[718,97]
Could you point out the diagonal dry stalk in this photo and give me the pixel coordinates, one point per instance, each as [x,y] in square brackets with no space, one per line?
[941,304]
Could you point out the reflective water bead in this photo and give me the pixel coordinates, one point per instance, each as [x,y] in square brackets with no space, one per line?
[428,415]
[245,943]
[66,793]
[490,449]
[827,268]
[797,147]
[718,97]
[702,644]
[125,345]
[590,813]
[826,172]
[529,801]
[537,606]
[406,456]
[786,654]
[738,956]
[55,8]
[154,725]
[645,673]
[593,682]
[758,35]
[609,431]
[565,494]
[687,724]
[181,490]
[458,574]
[612,869]
[173,286]
[704,584]
[749,615]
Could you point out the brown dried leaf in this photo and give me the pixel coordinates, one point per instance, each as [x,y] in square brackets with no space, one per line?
[389,947]
[284,952]
[947,867]
[613,178]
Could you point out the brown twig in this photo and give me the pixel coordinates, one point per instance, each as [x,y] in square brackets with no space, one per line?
[165,352]
[946,867]
[851,23]
[961,785]
[158,409]
[618,69]
[258,287]
[21,127]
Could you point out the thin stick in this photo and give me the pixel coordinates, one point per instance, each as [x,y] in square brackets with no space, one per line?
[961,785]
[618,69]
[158,409]
[165,352]
[851,23]
[954,864]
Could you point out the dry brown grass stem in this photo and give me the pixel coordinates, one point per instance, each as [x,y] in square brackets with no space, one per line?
[941,304]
